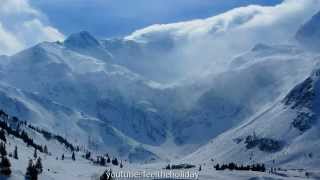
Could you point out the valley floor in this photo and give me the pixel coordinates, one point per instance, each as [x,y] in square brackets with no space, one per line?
[209,173]
[82,169]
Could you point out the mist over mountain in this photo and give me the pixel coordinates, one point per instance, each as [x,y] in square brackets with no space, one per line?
[309,35]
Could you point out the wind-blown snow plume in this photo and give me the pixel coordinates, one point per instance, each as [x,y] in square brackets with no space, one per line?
[211,41]
[21,26]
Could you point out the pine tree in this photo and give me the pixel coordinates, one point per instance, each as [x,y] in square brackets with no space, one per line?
[38,166]
[200,168]
[263,168]
[15,153]
[3,151]
[45,149]
[102,161]
[217,166]
[121,165]
[5,166]
[88,155]
[73,156]
[108,160]
[62,157]
[3,135]
[35,155]
[115,162]
[31,172]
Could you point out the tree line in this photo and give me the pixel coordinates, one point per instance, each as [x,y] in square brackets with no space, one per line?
[234,166]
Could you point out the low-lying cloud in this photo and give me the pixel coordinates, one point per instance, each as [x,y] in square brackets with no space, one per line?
[22,26]
[284,16]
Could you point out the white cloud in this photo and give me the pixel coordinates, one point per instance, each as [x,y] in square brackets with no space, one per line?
[8,41]
[249,17]
[213,41]
[22,26]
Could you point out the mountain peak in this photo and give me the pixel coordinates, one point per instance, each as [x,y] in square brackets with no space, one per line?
[82,39]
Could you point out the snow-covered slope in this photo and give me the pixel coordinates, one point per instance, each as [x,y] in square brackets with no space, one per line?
[284,130]
[54,150]
[151,60]
[80,128]
[68,91]
[255,80]
[284,134]
[84,43]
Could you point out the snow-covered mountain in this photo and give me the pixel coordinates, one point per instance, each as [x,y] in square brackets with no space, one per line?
[152,60]
[84,43]
[102,98]
[176,91]
[284,134]
[98,79]
[255,80]
[78,127]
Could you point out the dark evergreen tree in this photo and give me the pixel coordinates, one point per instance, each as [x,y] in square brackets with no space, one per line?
[3,135]
[45,149]
[217,167]
[121,165]
[62,157]
[200,168]
[88,155]
[5,166]
[3,151]
[15,153]
[31,172]
[108,160]
[102,161]
[39,166]
[115,162]
[73,156]
[35,155]
[232,166]
[263,168]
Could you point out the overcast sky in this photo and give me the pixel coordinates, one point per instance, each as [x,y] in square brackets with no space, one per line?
[110,18]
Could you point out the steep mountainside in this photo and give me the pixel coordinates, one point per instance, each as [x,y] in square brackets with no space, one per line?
[255,80]
[100,101]
[284,134]
[78,127]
